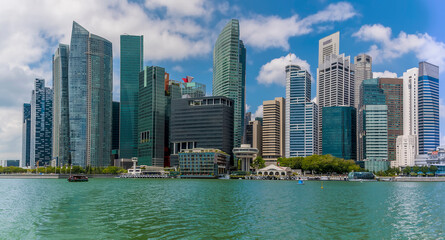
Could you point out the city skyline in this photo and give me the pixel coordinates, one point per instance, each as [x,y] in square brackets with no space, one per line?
[262,57]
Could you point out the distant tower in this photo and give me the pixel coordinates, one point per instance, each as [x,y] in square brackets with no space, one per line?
[363,70]
[273,130]
[429,130]
[301,132]
[26,135]
[229,73]
[61,128]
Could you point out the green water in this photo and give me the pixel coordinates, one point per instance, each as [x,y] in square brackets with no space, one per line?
[219,209]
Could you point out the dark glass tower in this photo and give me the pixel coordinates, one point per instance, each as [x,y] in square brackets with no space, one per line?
[90,87]
[151,115]
[61,130]
[339,136]
[26,135]
[132,58]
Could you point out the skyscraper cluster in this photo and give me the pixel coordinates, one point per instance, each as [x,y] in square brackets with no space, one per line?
[378,122]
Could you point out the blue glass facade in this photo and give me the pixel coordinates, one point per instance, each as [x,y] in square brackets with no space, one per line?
[428,97]
[374,118]
[339,132]
[41,124]
[90,98]
[61,133]
[301,114]
[132,59]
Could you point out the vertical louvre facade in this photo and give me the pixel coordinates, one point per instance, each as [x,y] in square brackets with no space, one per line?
[429,138]
[229,73]
[132,59]
[335,86]
[151,116]
[61,130]
[273,129]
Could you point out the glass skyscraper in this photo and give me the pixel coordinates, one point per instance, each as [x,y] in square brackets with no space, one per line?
[132,59]
[90,87]
[301,114]
[41,124]
[193,90]
[374,121]
[151,116]
[339,132]
[61,130]
[229,73]
[26,135]
[428,107]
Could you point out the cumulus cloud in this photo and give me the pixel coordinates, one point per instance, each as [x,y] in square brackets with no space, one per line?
[274,32]
[257,113]
[273,72]
[247,107]
[422,45]
[385,74]
[10,140]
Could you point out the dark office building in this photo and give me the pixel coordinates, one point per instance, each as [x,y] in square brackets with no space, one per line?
[339,132]
[393,90]
[205,122]
[115,130]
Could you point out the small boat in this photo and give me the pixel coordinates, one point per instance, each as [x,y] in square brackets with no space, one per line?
[300,182]
[78,178]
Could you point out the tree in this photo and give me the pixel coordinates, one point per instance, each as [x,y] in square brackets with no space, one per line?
[433,169]
[406,170]
[258,163]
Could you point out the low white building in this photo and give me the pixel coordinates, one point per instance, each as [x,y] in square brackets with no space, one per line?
[406,151]
[274,170]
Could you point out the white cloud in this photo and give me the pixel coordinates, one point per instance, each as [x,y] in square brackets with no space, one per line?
[441,108]
[189,8]
[273,72]
[247,107]
[385,74]
[387,48]
[257,113]
[274,32]
[10,140]
[178,68]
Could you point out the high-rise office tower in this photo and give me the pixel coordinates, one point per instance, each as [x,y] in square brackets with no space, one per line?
[115,128]
[407,146]
[247,117]
[172,91]
[410,102]
[335,86]
[363,70]
[229,73]
[90,75]
[26,135]
[41,124]
[253,135]
[393,90]
[374,121]
[61,121]
[151,116]
[327,46]
[273,130]
[428,107]
[132,59]
[301,134]
[339,132]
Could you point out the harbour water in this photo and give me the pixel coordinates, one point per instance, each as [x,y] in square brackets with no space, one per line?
[220,209]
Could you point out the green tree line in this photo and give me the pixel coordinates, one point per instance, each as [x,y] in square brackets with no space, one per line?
[320,164]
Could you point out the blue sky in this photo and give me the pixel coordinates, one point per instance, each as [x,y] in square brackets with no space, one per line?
[179,35]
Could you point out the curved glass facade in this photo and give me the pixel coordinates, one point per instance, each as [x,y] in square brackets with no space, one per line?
[90,96]
[229,73]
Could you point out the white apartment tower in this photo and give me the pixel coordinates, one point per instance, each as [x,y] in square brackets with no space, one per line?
[407,145]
